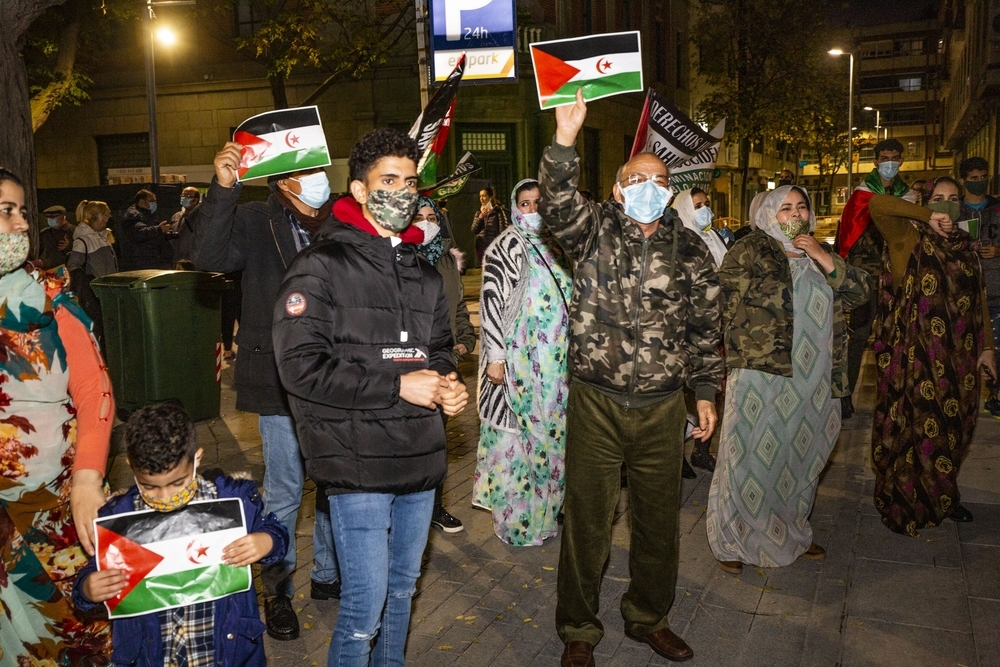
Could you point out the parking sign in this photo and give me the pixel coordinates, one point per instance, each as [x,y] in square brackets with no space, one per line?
[485,30]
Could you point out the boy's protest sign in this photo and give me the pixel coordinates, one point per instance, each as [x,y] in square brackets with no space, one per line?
[172,559]
[279,142]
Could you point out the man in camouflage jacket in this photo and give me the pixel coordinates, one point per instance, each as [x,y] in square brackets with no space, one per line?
[644,323]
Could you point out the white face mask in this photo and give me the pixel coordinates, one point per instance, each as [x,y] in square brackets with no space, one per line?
[703,218]
[315,189]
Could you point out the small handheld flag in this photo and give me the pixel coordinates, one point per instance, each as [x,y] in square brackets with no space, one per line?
[279,142]
[431,128]
[453,184]
[603,65]
[172,559]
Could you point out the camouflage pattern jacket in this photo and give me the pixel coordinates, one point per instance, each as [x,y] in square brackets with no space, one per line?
[644,321]
[757,307]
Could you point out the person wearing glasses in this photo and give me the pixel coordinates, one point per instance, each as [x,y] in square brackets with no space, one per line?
[861,244]
[644,323]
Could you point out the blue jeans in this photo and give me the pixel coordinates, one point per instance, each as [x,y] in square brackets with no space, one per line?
[284,475]
[380,539]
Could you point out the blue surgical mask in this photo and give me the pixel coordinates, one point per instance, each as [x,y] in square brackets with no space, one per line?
[888,170]
[703,218]
[645,202]
[152,207]
[53,222]
[532,221]
[185,202]
[315,189]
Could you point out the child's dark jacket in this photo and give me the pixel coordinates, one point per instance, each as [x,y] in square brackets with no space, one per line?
[239,631]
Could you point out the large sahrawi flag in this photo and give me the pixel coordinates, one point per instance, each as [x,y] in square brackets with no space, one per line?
[172,559]
[688,150]
[432,126]
[279,142]
[602,65]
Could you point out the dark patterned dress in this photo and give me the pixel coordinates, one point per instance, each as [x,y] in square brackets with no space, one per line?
[929,335]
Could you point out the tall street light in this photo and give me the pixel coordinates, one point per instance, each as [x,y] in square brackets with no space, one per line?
[168,38]
[878,124]
[850,114]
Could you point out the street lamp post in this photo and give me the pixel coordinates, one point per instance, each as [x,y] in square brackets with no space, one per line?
[878,124]
[154,141]
[850,114]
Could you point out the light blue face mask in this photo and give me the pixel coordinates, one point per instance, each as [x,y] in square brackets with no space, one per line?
[52,222]
[152,207]
[703,218]
[888,170]
[645,202]
[185,202]
[315,189]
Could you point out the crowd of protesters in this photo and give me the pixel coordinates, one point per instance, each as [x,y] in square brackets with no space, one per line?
[609,334]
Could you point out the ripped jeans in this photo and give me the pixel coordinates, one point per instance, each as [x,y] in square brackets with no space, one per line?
[380,539]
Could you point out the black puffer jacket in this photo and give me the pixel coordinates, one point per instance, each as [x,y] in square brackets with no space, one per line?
[339,340]
[143,244]
[254,238]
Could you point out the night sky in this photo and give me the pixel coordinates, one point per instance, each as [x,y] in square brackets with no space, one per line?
[860,13]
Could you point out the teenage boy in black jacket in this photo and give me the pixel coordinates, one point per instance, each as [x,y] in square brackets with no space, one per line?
[362,337]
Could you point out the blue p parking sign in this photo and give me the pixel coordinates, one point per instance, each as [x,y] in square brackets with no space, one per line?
[485,30]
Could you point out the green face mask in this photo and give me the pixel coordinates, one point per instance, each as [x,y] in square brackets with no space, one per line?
[976,188]
[393,209]
[952,208]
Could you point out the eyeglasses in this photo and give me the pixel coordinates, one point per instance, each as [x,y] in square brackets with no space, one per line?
[635,178]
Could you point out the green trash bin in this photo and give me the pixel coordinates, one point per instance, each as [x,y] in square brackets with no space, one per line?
[163,338]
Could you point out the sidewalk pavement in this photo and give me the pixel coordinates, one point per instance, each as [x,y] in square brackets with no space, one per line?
[878,599]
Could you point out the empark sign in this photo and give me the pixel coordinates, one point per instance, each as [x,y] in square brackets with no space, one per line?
[485,30]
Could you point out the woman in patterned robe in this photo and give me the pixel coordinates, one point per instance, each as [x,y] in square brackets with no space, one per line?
[56,413]
[523,377]
[932,332]
[783,326]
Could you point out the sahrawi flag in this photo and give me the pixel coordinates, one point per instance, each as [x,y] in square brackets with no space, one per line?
[278,142]
[172,559]
[431,128]
[602,65]
[688,150]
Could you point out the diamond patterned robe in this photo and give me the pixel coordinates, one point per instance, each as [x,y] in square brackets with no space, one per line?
[777,434]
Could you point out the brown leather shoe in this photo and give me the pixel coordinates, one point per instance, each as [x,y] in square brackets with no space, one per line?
[666,643]
[814,552]
[731,566]
[578,654]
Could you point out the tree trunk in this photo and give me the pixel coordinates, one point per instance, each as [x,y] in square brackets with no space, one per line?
[45,101]
[277,82]
[745,171]
[17,146]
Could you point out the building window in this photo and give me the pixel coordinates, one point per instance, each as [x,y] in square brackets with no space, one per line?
[249,19]
[880,49]
[484,141]
[892,83]
[122,151]
[979,143]
[910,84]
[905,116]
[910,47]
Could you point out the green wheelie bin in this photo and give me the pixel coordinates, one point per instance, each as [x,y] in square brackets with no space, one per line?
[163,339]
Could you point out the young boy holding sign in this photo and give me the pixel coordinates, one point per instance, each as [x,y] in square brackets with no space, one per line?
[175,579]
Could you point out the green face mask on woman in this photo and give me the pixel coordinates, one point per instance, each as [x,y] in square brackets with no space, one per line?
[952,208]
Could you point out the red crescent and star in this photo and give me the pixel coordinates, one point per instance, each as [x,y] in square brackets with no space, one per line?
[603,65]
[196,553]
[291,139]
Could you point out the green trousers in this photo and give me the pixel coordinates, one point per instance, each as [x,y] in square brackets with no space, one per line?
[600,436]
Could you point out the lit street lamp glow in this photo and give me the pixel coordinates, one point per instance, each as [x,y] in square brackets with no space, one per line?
[835,52]
[166,35]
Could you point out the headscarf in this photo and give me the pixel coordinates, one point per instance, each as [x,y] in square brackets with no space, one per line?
[433,249]
[516,217]
[766,216]
[684,205]
[758,199]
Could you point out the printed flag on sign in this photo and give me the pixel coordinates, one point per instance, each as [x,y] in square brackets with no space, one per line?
[279,142]
[603,65]
[172,559]
[431,128]
[688,150]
